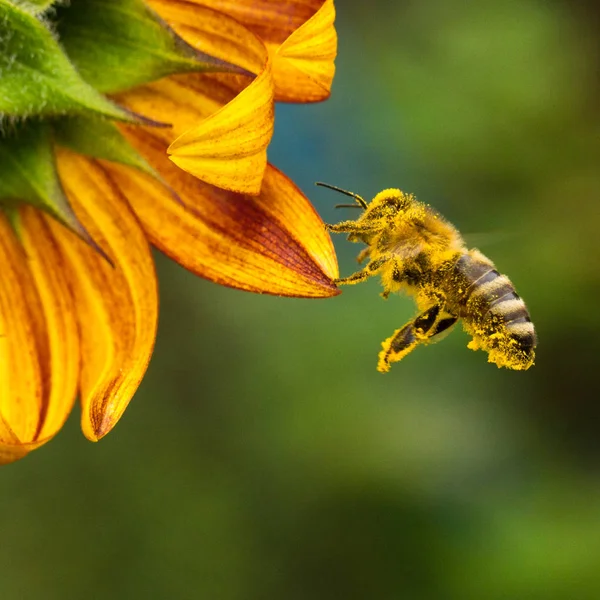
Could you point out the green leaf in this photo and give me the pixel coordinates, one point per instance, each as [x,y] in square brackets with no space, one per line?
[36,77]
[119,44]
[98,138]
[28,174]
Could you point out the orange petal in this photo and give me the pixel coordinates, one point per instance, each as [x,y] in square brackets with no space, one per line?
[219,133]
[22,330]
[39,344]
[49,271]
[116,305]
[303,66]
[229,148]
[11,448]
[213,32]
[299,34]
[273,243]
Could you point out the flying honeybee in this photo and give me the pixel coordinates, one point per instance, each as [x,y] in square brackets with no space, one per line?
[416,250]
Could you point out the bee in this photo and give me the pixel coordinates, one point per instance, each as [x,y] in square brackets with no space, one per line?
[415,250]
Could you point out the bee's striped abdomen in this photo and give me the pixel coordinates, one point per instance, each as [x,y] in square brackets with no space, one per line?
[493,312]
[496,302]
[469,270]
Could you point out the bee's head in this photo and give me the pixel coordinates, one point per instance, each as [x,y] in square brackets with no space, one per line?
[390,203]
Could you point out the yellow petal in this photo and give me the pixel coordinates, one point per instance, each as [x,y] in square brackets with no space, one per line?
[229,149]
[116,305]
[303,66]
[301,39]
[273,243]
[39,350]
[10,447]
[61,372]
[222,123]
[213,32]
[22,340]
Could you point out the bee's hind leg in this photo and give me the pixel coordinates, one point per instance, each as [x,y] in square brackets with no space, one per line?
[443,325]
[406,339]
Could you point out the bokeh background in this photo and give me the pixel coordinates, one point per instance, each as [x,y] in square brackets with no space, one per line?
[265,458]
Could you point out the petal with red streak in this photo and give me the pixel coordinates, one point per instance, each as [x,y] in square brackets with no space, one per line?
[273,243]
[49,272]
[39,354]
[116,304]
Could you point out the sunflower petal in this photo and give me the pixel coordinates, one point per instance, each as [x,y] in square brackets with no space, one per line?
[13,450]
[274,243]
[300,36]
[22,330]
[117,306]
[220,134]
[40,383]
[211,31]
[303,66]
[229,149]
[47,266]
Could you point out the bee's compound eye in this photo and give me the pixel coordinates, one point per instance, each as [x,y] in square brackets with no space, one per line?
[395,203]
[399,202]
[389,202]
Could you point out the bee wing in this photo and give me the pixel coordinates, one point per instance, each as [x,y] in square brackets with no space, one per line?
[408,250]
[490,238]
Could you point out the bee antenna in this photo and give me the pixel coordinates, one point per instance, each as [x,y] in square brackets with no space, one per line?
[360,202]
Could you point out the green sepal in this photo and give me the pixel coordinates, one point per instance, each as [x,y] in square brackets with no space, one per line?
[28,174]
[98,138]
[120,44]
[36,76]
[34,6]
[14,220]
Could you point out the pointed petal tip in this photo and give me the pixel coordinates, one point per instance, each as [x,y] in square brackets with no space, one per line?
[327,289]
[94,432]
[274,243]
[10,454]
[229,148]
[117,306]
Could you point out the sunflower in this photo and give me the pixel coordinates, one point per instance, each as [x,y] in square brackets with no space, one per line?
[124,125]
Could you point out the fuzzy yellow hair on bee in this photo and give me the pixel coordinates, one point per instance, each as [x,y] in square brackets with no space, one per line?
[415,250]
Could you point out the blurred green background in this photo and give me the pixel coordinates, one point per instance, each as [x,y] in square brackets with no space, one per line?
[265,458]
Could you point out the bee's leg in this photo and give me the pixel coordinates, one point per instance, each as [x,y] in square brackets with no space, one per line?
[443,325]
[352,227]
[393,279]
[406,339]
[368,271]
